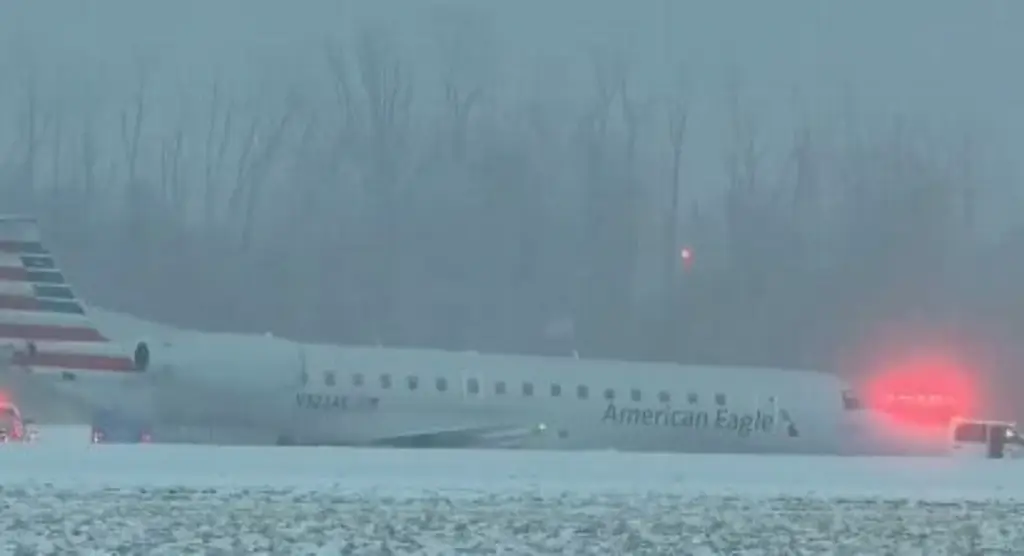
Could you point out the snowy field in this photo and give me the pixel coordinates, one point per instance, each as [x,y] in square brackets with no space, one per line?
[72,498]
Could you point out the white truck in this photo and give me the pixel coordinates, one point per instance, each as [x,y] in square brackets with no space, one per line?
[980,438]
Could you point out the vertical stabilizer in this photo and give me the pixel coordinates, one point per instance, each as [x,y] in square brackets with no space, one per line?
[44,326]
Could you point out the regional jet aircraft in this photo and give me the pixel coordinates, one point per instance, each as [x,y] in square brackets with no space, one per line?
[325,394]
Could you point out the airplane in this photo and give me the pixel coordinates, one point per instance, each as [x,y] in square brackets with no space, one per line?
[313,394]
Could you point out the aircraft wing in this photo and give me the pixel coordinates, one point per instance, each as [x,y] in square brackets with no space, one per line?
[473,437]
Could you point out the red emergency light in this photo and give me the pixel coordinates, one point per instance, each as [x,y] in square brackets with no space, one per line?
[927,390]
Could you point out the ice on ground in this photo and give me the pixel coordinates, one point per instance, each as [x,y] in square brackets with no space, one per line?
[155,499]
[174,521]
[81,464]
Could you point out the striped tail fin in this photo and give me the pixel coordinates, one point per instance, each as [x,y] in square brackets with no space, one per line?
[43,325]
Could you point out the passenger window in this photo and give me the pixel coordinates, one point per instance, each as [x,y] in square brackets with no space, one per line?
[499,388]
[414,382]
[473,386]
[582,392]
[609,394]
[357,379]
[385,381]
[329,378]
[527,389]
[635,395]
[720,399]
[556,390]
[442,384]
[971,432]
[664,397]
[691,398]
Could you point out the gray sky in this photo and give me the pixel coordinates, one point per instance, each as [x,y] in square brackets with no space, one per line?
[947,63]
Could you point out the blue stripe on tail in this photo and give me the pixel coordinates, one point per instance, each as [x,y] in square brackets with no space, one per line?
[65,307]
[53,292]
[40,262]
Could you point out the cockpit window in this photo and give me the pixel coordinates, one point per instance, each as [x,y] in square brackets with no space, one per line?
[851,402]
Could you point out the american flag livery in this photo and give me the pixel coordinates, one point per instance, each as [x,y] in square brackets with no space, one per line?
[42,323]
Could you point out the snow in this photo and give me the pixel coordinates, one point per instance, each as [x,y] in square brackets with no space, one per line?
[69,497]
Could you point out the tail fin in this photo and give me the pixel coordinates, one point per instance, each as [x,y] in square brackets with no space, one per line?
[42,323]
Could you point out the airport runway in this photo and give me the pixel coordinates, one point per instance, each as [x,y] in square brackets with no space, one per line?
[65,498]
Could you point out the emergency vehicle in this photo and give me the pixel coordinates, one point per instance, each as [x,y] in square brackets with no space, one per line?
[12,426]
[978,438]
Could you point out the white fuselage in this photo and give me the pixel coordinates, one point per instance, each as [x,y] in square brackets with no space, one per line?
[83,358]
[322,394]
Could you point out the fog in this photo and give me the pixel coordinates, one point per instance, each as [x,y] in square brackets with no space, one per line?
[521,176]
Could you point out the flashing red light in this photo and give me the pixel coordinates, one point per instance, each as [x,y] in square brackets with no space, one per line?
[686,255]
[923,390]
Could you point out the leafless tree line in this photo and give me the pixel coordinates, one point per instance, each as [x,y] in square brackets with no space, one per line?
[473,222]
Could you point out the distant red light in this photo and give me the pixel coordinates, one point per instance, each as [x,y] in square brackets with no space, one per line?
[686,255]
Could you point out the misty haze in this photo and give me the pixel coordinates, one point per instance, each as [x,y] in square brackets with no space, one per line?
[525,176]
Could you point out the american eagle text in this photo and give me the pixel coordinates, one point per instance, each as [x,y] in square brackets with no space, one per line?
[742,423]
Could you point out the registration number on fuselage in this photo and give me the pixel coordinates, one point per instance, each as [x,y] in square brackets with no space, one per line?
[335,402]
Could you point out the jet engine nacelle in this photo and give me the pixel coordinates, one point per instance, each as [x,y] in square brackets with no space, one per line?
[229,360]
[141,356]
[155,356]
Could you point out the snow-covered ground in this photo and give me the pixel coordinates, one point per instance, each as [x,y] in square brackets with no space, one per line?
[69,497]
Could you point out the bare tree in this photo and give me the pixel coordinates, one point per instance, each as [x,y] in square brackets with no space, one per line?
[387,88]
[33,132]
[172,186]
[460,108]
[464,39]
[605,248]
[255,163]
[678,113]
[132,121]
[219,130]
[90,158]
[58,144]
[343,90]
[678,120]
[388,92]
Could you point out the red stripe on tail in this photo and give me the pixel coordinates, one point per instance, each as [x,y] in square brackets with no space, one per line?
[78,361]
[14,246]
[18,302]
[50,332]
[13,274]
